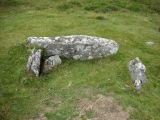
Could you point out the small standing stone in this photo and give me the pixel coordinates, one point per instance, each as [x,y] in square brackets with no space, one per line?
[33,64]
[137,72]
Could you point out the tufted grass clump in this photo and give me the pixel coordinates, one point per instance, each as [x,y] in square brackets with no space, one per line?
[13,3]
[68,5]
[100,18]
[101,7]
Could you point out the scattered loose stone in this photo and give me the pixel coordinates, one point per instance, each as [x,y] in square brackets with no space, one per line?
[149,43]
[137,72]
[51,62]
[33,64]
[76,46]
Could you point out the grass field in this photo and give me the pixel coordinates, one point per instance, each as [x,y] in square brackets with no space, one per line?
[131,23]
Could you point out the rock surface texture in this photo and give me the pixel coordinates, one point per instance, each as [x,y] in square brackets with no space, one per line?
[76,46]
[51,62]
[33,64]
[137,72]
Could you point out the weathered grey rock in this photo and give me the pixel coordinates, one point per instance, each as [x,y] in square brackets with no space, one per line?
[137,72]
[149,43]
[51,62]
[76,46]
[33,64]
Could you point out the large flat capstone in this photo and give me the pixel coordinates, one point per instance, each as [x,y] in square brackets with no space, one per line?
[76,46]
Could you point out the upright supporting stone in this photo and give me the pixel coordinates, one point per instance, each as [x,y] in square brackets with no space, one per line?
[76,46]
[33,64]
[51,62]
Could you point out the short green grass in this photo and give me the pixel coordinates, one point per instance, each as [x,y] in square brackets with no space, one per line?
[131,23]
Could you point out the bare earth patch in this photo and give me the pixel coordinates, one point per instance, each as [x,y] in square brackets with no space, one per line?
[101,108]
[39,117]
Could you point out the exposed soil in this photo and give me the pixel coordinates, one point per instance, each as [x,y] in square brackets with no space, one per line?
[101,108]
[39,117]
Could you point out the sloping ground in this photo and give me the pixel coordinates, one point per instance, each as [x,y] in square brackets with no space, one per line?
[130,24]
